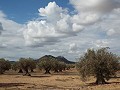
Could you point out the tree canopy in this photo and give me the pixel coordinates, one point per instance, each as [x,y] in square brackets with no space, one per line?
[100,63]
[46,63]
[27,64]
[4,65]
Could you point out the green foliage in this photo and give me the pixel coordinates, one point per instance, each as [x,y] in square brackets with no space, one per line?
[55,67]
[26,64]
[100,63]
[15,66]
[61,66]
[4,65]
[58,66]
[46,63]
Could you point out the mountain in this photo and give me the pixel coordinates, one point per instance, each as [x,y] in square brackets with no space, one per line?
[59,58]
[62,59]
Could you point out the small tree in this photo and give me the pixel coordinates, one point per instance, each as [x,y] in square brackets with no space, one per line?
[100,63]
[61,66]
[4,65]
[58,66]
[46,63]
[26,64]
[16,66]
[33,64]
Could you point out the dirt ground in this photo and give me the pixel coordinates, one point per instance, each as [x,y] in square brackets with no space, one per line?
[68,80]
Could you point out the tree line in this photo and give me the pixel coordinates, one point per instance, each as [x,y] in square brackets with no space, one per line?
[26,65]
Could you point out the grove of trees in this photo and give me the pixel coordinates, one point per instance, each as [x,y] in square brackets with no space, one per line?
[99,63]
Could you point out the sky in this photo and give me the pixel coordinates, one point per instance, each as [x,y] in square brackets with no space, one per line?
[34,28]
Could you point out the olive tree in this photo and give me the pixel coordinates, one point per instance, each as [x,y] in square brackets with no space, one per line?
[61,66]
[4,65]
[58,66]
[100,63]
[46,63]
[26,64]
[16,66]
[33,64]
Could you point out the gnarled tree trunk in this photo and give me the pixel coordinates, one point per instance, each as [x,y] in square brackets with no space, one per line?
[47,70]
[56,71]
[20,71]
[27,73]
[100,79]
[32,70]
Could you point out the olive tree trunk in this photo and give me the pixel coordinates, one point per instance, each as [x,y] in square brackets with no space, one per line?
[20,71]
[47,70]
[27,73]
[100,79]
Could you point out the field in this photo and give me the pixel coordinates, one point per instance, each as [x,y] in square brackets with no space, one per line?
[67,80]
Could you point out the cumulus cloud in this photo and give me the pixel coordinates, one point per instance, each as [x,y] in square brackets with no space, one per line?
[11,32]
[101,6]
[92,11]
[8,24]
[57,25]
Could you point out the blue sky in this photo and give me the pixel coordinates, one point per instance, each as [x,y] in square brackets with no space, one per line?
[22,11]
[33,28]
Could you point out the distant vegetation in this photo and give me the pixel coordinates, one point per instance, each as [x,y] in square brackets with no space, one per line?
[49,63]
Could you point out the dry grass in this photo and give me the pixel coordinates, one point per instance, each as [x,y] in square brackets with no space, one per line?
[68,80]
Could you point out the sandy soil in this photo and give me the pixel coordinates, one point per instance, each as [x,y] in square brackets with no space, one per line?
[64,81]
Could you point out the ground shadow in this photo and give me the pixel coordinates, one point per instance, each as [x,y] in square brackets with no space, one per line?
[42,76]
[94,84]
[115,77]
[11,84]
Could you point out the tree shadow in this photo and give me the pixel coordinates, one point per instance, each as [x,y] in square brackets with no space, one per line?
[11,84]
[115,77]
[42,76]
[94,84]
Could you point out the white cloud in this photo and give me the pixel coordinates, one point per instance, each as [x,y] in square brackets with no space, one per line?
[73,48]
[101,6]
[52,12]
[92,11]
[57,25]
[9,24]
[102,43]
[111,32]
[11,32]
[86,18]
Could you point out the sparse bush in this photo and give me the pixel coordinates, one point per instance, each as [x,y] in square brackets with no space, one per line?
[98,63]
